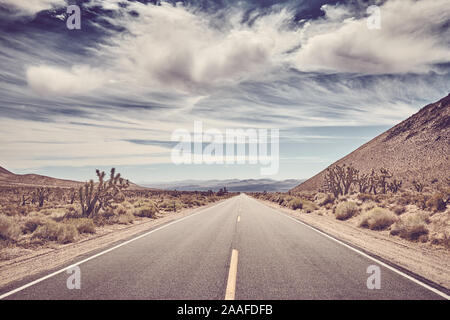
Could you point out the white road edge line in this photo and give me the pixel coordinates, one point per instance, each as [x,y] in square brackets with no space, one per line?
[230,291]
[442,294]
[102,253]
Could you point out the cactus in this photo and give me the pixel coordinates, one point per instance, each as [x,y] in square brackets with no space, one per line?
[363,182]
[418,185]
[385,174]
[72,195]
[373,182]
[103,195]
[24,199]
[395,185]
[339,179]
[40,195]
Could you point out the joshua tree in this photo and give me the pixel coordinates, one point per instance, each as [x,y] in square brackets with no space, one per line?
[417,185]
[101,195]
[40,195]
[395,185]
[222,191]
[383,177]
[339,179]
[73,195]
[363,182]
[24,199]
[373,182]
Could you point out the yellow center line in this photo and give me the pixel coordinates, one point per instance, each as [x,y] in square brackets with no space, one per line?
[239,218]
[231,283]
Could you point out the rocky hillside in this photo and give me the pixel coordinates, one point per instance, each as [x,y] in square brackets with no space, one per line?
[417,148]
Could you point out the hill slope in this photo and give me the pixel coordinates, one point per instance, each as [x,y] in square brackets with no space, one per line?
[417,148]
[8,178]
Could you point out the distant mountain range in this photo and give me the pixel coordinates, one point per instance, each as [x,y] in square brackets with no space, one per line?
[233,185]
[415,149]
[8,178]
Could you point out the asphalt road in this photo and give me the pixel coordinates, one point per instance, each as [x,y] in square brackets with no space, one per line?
[275,258]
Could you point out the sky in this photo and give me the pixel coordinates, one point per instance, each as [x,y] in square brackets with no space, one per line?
[112,93]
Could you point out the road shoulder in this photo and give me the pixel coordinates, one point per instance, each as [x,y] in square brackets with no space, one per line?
[41,261]
[423,260]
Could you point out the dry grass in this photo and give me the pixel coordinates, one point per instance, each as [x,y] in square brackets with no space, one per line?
[403,213]
[365,197]
[345,210]
[170,205]
[295,204]
[309,206]
[436,203]
[56,231]
[412,227]
[148,210]
[377,219]
[31,224]
[9,229]
[398,209]
[322,199]
[298,203]
[23,224]
[83,225]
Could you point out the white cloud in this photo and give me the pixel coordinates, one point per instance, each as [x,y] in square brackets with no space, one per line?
[31,7]
[412,38]
[170,47]
[56,81]
[173,47]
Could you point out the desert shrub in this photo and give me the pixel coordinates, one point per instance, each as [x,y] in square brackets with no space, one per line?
[123,208]
[322,199]
[72,212]
[121,214]
[295,203]
[56,231]
[56,214]
[308,206]
[9,229]
[149,210]
[364,197]
[436,203]
[405,199]
[31,224]
[420,200]
[124,219]
[411,227]
[308,195]
[198,202]
[441,238]
[380,198]
[83,225]
[346,210]
[12,210]
[377,219]
[398,210]
[170,205]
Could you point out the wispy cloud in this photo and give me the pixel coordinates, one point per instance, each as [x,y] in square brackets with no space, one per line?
[31,7]
[413,38]
[115,90]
